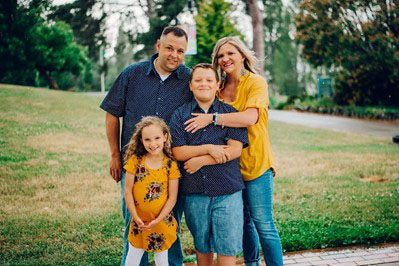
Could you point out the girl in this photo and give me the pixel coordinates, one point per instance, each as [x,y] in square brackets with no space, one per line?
[151,186]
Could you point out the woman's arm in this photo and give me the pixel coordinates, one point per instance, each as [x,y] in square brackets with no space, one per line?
[128,192]
[245,118]
[169,204]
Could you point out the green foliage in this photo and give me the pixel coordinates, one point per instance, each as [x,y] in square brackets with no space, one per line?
[360,41]
[33,49]
[213,23]
[88,28]
[163,13]
[281,50]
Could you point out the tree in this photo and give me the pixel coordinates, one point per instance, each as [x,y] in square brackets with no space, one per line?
[213,22]
[87,22]
[359,42]
[258,36]
[160,13]
[32,48]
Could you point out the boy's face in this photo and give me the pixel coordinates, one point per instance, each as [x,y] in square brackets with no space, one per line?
[204,85]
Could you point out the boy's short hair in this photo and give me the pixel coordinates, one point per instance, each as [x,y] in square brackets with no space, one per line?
[204,66]
[175,30]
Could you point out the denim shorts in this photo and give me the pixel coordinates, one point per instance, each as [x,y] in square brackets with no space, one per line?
[216,223]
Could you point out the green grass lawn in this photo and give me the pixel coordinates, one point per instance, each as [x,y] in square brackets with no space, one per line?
[59,205]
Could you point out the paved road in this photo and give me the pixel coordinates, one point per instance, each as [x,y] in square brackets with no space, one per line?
[375,128]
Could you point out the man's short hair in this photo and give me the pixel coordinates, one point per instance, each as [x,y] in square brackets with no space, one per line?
[177,31]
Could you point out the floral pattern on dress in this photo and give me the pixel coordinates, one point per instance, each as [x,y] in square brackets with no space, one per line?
[154,191]
[168,219]
[141,173]
[135,228]
[155,241]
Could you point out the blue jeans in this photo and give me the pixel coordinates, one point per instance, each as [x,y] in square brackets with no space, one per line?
[259,222]
[175,253]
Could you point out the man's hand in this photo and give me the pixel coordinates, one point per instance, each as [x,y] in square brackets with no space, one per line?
[193,165]
[115,168]
[219,153]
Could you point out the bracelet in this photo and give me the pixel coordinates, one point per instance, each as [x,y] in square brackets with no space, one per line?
[222,117]
[215,118]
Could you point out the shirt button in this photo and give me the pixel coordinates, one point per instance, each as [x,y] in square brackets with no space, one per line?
[161,82]
[157,113]
[204,130]
[159,98]
[204,177]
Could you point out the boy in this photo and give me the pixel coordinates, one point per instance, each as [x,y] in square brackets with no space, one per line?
[210,164]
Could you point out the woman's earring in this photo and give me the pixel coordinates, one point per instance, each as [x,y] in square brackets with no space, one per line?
[223,76]
[243,72]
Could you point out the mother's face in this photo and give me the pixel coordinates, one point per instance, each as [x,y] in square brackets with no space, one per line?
[230,59]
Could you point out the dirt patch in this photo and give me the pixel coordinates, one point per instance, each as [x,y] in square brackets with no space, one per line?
[68,142]
[74,195]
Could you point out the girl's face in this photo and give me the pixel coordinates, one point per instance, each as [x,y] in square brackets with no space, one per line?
[153,139]
[230,59]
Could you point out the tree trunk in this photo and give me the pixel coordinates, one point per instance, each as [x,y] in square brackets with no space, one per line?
[258,37]
[51,82]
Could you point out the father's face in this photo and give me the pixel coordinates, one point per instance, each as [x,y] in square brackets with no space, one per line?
[171,51]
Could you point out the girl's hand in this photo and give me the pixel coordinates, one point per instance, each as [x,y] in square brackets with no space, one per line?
[151,224]
[198,121]
[139,222]
[219,153]
[193,165]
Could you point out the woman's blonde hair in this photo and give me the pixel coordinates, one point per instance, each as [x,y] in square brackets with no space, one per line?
[250,60]
[135,145]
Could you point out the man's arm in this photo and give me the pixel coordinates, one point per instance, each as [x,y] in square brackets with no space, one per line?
[113,132]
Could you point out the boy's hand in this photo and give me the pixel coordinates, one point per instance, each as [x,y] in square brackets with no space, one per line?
[219,153]
[193,165]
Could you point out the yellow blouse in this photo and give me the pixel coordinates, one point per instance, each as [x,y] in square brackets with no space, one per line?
[252,92]
[150,191]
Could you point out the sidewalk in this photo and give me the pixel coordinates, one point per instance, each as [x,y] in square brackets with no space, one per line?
[379,255]
[387,255]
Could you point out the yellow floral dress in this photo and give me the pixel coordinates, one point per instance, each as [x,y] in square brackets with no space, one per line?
[150,193]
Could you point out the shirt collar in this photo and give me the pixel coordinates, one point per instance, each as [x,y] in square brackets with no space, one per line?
[151,67]
[213,108]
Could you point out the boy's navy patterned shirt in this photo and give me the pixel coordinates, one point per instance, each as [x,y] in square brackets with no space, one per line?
[211,180]
[139,91]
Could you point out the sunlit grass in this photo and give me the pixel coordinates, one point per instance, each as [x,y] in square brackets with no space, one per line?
[60,206]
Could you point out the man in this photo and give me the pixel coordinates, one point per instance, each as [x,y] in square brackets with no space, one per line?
[155,87]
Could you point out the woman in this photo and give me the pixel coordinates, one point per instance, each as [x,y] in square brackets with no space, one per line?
[247,92]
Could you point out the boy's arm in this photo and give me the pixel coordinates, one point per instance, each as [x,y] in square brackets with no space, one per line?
[233,150]
[186,152]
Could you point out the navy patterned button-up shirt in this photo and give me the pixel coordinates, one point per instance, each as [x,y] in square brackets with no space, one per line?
[139,91]
[212,180]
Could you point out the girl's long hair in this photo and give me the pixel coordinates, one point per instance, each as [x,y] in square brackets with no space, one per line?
[135,145]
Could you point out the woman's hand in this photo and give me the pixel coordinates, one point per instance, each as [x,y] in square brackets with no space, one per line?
[198,121]
[219,153]
[193,165]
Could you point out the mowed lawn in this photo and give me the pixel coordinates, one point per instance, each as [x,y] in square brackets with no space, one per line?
[59,205]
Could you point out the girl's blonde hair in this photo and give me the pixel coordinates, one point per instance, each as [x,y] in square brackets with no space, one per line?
[250,60]
[135,145]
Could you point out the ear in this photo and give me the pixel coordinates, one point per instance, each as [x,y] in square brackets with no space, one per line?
[166,137]
[191,89]
[158,45]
